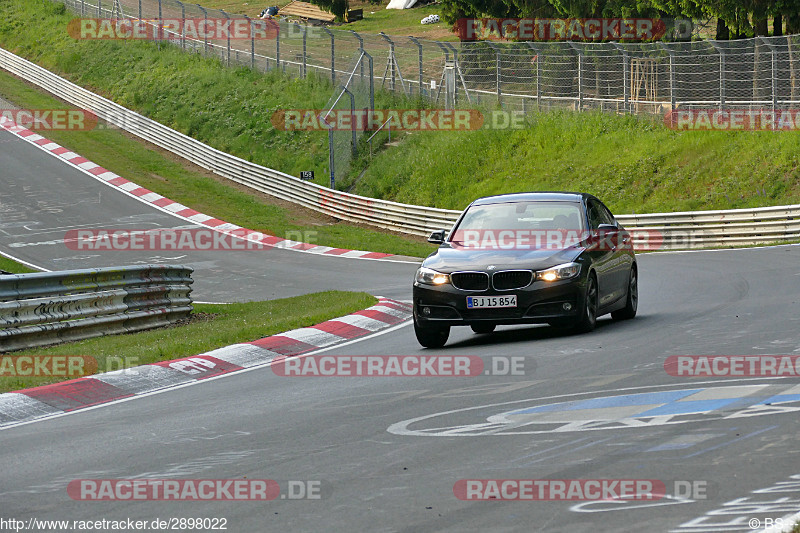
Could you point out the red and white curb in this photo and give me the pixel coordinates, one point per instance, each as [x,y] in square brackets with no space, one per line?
[27,405]
[170,206]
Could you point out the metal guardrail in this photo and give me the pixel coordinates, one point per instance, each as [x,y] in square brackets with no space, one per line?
[51,307]
[683,230]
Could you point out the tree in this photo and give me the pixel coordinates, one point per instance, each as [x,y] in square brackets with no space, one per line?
[336,7]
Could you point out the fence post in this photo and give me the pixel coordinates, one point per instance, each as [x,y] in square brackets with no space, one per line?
[626,74]
[352,114]
[205,25]
[140,9]
[305,54]
[160,34]
[183,25]
[333,54]
[419,46]
[444,75]
[579,51]
[99,8]
[391,61]
[361,48]
[537,57]
[330,158]
[774,83]
[228,56]
[278,47]
[721,53]
[371,80]
[252,43]
[457,74]
[497,73]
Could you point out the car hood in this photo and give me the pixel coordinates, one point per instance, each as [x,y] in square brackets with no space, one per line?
[448,259]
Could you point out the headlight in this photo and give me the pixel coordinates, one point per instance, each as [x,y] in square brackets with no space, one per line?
[431,277]
[565,271]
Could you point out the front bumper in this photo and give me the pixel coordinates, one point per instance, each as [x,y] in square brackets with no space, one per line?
[540,302]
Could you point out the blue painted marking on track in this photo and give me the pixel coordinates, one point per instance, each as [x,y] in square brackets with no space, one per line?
[682,408]
[626,400]
[781,398]
[629,400]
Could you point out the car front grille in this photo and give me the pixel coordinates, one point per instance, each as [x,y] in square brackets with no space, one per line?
[511,279]
[470,281]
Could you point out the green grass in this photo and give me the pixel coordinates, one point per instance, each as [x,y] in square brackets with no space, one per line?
[401,22]
[395,22]
[9,265]
[214,326]
[636,165]
[183,183]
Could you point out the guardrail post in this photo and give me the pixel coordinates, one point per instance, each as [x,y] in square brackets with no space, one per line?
[228,57]
[99,8]
[140,9]
[535,58]
[579,51]
[419,47]
[721,53]
[333,54]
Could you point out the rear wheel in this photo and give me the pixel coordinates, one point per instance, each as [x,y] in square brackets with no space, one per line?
[483,328]
[431,336]
[588,317]
[631,300]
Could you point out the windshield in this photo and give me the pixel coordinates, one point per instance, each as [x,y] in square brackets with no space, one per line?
[526,223]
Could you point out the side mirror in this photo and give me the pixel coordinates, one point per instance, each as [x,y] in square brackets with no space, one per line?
[437,237]
[607,227]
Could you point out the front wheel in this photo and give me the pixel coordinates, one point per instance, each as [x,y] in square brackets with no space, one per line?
[431,336]
[631,300]
[588,318]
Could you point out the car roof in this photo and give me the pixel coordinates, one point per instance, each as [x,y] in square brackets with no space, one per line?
[545,196]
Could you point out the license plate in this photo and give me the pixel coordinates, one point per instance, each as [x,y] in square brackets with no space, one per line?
[486,302]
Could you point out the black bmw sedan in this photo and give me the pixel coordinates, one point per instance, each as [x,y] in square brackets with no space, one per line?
[526,258]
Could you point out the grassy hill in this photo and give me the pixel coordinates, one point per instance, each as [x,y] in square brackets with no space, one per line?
[635,164]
